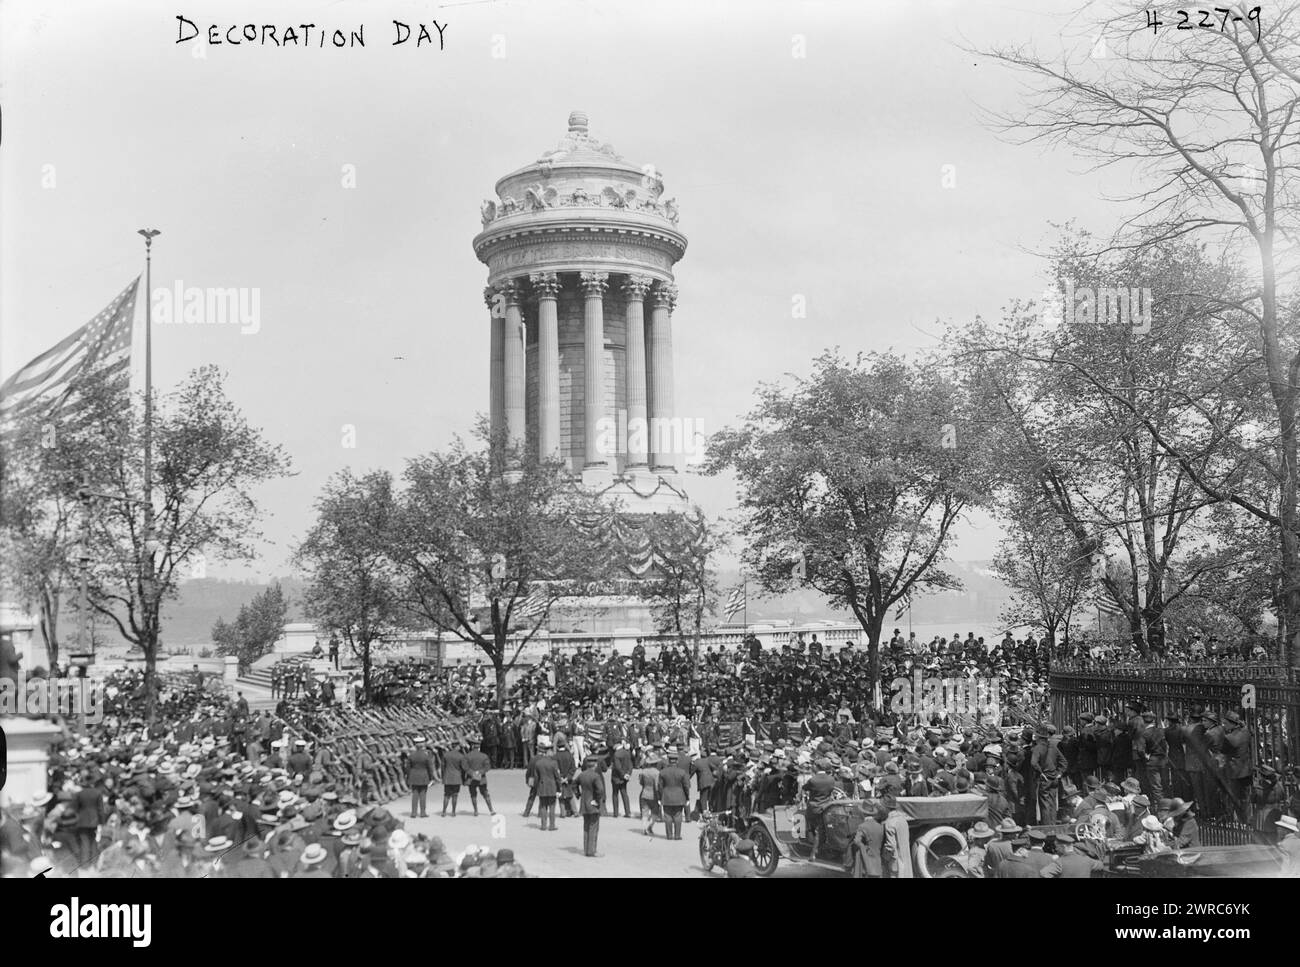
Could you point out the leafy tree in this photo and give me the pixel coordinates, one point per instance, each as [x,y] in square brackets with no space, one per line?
[352,588]
[43,464]
[1049,580]
[1072,449]
[683,585]
[256,628]
[484,553]
[852,479]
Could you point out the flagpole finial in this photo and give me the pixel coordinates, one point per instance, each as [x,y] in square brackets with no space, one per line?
[148,234]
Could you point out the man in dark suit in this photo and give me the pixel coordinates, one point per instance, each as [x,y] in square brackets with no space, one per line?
[546,782]
[620,774]
[702,770]
[568,767]
[488,729]
[591,803]
[867,844]
[453,774]
[89,806]
[674,795]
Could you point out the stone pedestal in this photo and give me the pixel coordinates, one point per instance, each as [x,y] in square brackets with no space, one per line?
[232,670]
[28,744]
[299,638]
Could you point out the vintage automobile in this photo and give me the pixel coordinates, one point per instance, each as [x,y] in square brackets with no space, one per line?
[937,839]
[938,828]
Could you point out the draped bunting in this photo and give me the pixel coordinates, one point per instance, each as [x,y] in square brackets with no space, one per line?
[644,542]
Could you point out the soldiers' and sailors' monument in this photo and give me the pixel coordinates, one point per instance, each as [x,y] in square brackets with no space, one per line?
[580,247]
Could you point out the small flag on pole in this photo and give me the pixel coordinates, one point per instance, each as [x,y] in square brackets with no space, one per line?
[735,602]
[102,346]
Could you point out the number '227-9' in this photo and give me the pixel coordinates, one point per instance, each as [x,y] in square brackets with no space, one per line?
[1208,18]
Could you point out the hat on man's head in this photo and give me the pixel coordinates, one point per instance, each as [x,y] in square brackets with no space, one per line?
[1131,786]
[1289,823]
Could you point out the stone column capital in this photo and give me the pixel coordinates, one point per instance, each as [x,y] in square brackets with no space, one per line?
[490,293]
[637,287]
[665,296]
[514,290]
[593,284]
[546,285]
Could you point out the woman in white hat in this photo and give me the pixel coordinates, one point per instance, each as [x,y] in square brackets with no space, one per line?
[1289,844]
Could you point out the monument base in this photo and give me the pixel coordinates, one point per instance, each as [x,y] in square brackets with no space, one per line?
[27,744]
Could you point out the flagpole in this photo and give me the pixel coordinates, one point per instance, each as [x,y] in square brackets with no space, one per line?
[148,582]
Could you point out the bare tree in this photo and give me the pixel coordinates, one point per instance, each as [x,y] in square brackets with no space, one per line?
[1208,119]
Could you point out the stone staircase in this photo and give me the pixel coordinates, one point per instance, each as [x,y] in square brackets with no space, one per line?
[257,677]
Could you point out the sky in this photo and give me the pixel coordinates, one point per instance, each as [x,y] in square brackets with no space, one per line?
[834,151]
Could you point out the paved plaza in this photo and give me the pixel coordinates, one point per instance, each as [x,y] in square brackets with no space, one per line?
[627,851]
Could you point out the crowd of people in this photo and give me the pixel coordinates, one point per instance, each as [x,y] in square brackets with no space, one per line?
[216,790]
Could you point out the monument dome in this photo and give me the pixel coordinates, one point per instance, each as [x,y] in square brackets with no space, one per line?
[576,244]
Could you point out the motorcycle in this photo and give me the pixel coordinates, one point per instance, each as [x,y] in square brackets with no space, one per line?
[716,838]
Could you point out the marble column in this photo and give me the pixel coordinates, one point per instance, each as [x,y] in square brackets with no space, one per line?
[593,285]
[661,377]
[516,426]
[635,290]
[496,361]
[546,286]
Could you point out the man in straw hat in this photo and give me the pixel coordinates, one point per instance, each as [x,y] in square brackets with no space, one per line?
[1289,844]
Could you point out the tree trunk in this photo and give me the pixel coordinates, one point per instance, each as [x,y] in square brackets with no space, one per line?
[872,628]
[500,668]
[150,646]
[365,672]
[50,627]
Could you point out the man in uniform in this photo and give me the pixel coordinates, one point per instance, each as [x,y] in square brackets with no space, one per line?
[674,795]
[299,761]
[477,765]
[1151,754]
[591,803]
[1069,864]
[453,774]
[1048,765]
[1236,761]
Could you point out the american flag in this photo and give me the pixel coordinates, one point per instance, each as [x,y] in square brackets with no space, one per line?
[735,602]
[101,346]
[532,605]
